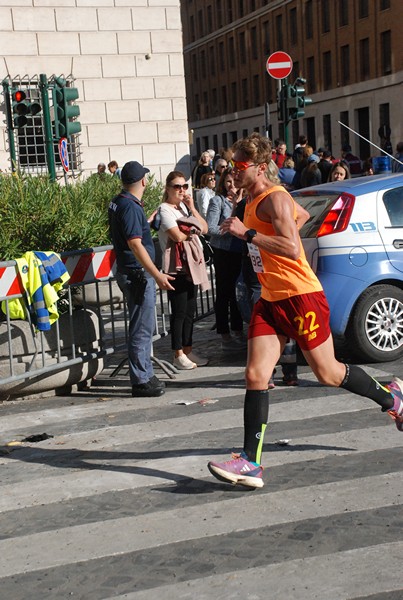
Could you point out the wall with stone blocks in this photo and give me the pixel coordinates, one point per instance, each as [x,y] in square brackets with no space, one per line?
[126,56]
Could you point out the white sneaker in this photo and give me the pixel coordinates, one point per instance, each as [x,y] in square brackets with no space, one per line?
[182,362]
[199,360]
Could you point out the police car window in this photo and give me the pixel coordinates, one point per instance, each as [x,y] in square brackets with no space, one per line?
[393,201]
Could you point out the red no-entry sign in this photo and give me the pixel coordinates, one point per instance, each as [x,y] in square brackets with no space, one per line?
[279,65]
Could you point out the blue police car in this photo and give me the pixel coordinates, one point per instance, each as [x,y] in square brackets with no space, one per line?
[354,242]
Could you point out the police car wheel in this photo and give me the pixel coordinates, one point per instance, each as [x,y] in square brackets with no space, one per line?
[376,325]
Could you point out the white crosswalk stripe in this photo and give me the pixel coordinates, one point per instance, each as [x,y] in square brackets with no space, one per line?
[119,503]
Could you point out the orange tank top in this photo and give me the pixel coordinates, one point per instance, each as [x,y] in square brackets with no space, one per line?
[281,277]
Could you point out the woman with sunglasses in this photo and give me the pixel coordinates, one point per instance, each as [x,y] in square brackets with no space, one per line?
[207,183]
[178,204]
[227,262]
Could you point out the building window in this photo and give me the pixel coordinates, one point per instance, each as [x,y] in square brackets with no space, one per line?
[344,132]
[224,140]
[224,99]
[295,69]
[384,4]
[364,58]
[256,90]
[386,52]
[325,16]
[327,70]
[212,60]
[214,101]
[343,12]
[266,37]
[384,119]
[210,18]
[197,105]
[234,136]
[221,56]
[241,8]
[252,5]
[279,29]
[234,99]
[219,13]
[293,26]
[244,133]
[194,67]
[363,9]
[268,89]
[215,142]
[200,23]
[310,64]
[254,43]
[192,28]
[245,94]
[203,66]
[205,106]
[308,20]
[327,131]
[242,47]
[230,16]
[345,64]
[231,50]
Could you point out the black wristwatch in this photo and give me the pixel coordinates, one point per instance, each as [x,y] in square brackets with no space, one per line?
[250,234]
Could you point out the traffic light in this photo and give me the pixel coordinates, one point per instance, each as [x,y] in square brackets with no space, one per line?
[65,111]
[297,100]
[282,103]
[22,107]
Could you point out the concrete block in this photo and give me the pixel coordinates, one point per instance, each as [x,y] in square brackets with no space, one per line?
[118,19]
[34,19]
[6,23]
[93,113]
[166,41]
[86,67]
[136,88]
[173,131]
[118,66]
[18,3]
[95,3]
[102,135]
[94,155]
[179,108]
[62,43]
[173,18]
[165,3]
[98,43]
[141,133]
[148,18]
[155,110]
[123,154]
[98,89]
[50,3]
[170,87]
[176,66]
[18,45]
[182,153]
[76,19]
[161,154]
[122,112]
[40,64]
[134,42]
[156,66]
[131,2]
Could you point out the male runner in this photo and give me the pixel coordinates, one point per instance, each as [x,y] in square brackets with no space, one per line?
[292,304]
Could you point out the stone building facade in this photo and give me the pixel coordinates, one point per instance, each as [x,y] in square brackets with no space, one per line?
[350,53]
[127,60]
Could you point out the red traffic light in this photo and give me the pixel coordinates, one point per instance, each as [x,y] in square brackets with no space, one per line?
[19,96]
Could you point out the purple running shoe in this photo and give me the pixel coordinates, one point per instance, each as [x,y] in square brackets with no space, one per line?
[238,470]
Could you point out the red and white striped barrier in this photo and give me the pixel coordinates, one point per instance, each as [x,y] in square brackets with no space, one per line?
[89,266]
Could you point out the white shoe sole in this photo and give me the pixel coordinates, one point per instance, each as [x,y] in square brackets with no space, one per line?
[251,482]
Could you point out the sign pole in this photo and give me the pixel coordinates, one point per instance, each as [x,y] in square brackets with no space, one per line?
[47,123]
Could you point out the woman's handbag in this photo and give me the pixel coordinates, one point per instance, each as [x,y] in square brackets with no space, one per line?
[208,251]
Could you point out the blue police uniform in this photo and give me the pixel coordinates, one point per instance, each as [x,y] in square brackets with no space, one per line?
[127,221]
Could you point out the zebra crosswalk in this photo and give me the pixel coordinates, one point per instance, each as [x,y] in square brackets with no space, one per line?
[119,503]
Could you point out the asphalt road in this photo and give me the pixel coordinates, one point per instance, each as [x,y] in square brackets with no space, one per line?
[120,504]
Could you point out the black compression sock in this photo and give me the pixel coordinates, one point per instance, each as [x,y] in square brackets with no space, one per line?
[359,382]
[256,413]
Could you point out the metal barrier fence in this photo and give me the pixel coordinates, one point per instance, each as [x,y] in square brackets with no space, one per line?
[93,324]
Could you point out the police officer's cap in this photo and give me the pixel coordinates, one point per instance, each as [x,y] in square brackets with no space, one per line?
[133,172]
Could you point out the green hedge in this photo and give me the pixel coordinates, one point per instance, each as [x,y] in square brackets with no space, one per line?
[36,214]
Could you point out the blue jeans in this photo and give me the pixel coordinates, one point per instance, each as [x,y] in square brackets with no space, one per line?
[141,329]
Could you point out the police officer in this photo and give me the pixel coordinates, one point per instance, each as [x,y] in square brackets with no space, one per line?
[136,272]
